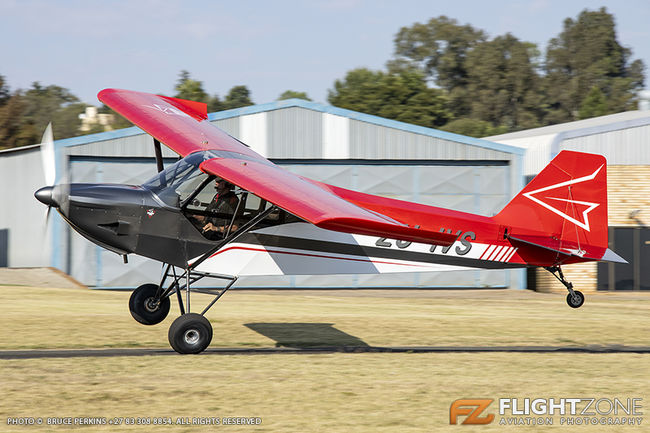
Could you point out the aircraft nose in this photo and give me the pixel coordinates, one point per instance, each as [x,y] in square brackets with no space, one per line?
[46,196]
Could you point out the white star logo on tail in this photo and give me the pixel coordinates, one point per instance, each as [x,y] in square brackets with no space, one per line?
[585,213]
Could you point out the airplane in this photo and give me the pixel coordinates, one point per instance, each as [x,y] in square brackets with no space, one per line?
[279,223]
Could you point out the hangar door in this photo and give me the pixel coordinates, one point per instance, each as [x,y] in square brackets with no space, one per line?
[464,186]
[633,244]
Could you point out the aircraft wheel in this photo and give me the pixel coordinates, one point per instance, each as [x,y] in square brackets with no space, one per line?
[576,300]
[143,305]
[190,333]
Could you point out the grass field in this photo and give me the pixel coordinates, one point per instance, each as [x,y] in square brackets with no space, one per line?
[367,392]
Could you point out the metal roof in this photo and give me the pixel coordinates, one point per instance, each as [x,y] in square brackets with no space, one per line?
[626,119]
[322,108]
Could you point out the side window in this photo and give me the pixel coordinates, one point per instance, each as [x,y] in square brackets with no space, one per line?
[204,197]
[216,216]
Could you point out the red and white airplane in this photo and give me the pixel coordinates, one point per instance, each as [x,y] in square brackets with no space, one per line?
[278,223]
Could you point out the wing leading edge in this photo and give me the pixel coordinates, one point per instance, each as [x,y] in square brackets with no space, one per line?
[183,126]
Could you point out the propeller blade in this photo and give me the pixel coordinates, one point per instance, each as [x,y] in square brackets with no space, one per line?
[47,156]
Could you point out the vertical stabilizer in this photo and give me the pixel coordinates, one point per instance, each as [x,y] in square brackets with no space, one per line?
[567,200]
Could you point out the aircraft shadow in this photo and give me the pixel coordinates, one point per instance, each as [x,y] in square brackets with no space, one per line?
[306,335]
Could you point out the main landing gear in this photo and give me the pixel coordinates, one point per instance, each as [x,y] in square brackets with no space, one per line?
[574,298]
[191,332]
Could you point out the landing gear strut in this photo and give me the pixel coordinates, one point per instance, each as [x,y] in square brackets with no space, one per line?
[574,298]
[191,332]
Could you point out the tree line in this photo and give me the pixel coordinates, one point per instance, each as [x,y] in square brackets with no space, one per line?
[453,77]
[442,75]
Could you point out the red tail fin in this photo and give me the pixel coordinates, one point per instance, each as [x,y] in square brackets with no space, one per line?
[567,200]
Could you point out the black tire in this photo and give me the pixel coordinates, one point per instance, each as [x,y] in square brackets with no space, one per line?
[190,333]
[143,305]
[576,300]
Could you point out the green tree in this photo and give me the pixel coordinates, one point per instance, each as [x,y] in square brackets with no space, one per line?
[187,88]
[587,54]
[215,104]
[25,115]
[439,48]
[41,107]
[11,123]
[289,94]
[5,94]
[504,83]
[401,95]
[474,128]
[593,105]
[238,96]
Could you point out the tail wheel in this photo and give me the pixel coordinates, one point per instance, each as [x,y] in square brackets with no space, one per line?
[190,333]
[575,299]
[145,307]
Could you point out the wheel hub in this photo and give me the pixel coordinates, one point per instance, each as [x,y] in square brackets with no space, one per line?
[192,336]
[151,304]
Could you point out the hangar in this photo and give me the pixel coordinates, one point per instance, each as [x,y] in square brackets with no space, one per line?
[333,145]
[623,139]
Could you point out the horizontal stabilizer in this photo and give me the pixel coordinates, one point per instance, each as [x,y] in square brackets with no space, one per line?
[611,256]
[568,248]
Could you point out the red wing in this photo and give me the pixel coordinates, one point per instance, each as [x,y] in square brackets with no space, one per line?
[183,126]
[314,204]
[179,124]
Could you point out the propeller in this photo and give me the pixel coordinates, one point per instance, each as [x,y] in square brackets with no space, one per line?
[44,195]
[47,156]
[51,195]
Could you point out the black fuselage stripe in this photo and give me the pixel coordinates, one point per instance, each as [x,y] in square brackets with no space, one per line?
[321,246]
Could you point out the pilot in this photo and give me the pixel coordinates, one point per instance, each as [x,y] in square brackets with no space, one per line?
[223,203]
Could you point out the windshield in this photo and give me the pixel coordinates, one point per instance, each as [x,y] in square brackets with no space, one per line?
[177,181]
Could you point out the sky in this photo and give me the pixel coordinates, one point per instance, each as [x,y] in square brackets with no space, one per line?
[269,46]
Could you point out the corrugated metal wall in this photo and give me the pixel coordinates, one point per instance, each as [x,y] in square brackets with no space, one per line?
[298,133]
[469,188]
[629,146]
[21,215]
[369,141]
[295,133]
[287,133]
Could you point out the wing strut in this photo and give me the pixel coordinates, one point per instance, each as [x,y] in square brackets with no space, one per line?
[233,237]
[159,160]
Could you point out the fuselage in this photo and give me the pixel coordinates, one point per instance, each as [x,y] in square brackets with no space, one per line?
[159,220]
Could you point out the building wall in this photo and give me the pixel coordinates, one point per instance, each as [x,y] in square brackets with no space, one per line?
[469,188]
[22,217]
[628,190]
[445,169]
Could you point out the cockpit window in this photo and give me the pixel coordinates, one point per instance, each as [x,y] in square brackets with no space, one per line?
[177,181]
[212,216]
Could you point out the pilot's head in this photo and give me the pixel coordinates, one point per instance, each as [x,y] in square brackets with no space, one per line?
[222,185]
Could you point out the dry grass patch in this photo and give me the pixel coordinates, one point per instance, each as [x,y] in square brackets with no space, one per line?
[299,393]
[68,318]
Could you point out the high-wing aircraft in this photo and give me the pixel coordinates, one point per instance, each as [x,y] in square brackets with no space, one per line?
[224,211]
